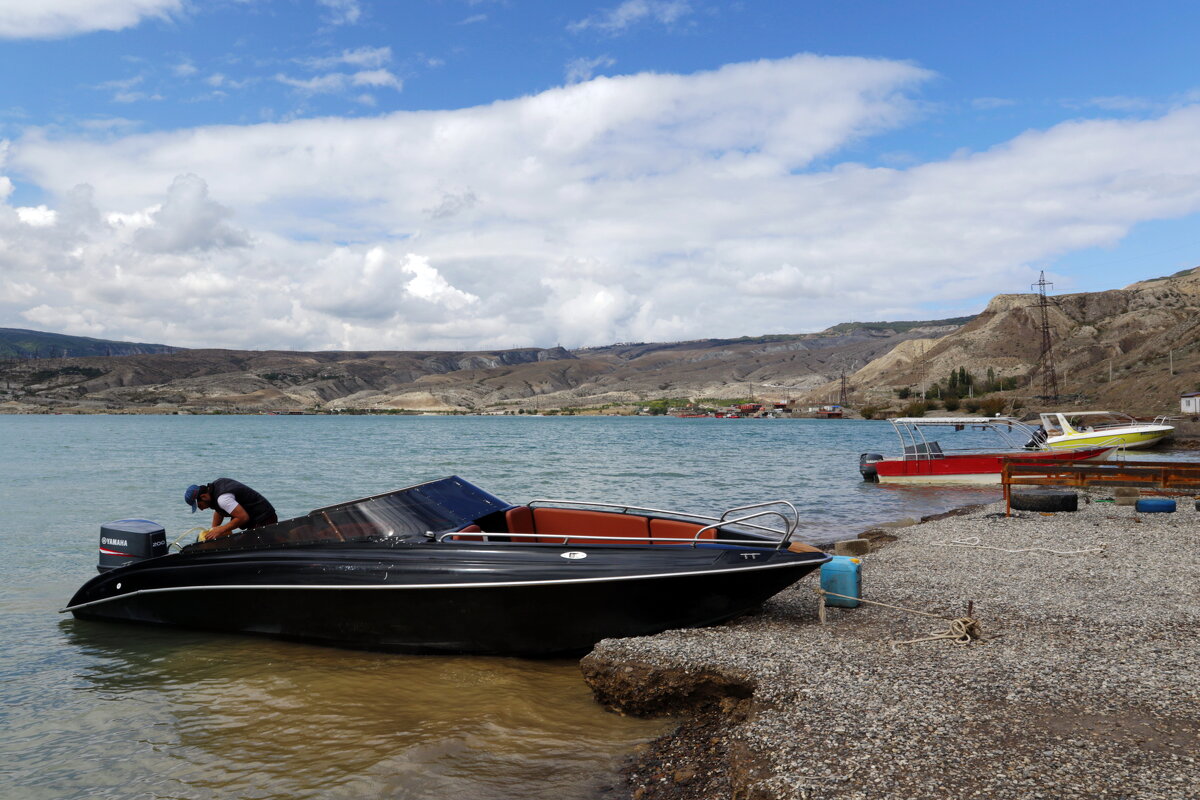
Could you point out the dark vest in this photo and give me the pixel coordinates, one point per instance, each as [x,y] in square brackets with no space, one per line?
[261,512]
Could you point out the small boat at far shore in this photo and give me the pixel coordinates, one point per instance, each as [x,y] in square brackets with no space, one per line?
[1071,429]
[926,462]
[446,567]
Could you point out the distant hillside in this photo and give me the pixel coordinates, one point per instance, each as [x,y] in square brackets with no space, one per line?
[772,367]
[19,343]
[897,327]
[1134,349]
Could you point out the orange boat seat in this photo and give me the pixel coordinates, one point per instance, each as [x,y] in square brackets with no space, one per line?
[678,529]
[556,525]
[520,520]
[458,537]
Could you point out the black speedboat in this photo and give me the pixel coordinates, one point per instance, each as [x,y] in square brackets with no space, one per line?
[445,567]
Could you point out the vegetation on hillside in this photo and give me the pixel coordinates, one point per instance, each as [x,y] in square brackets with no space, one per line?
[20,343]
[897,327]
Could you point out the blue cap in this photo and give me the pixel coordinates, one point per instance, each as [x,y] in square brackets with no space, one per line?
[190,494]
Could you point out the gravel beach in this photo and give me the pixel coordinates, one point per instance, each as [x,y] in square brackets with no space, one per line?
[1084,684]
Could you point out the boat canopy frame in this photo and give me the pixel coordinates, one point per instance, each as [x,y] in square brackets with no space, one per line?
[916,447]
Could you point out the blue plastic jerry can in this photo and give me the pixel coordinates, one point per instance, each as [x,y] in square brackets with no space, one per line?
[843,576]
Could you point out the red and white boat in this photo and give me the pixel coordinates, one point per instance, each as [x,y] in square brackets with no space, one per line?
[925,461]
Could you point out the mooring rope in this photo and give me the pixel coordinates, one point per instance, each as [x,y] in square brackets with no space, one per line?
[973,541]
[962,630]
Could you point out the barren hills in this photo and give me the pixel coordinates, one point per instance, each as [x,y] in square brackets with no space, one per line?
[1135,349]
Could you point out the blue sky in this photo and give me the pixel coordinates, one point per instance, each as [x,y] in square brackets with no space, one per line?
[461,174]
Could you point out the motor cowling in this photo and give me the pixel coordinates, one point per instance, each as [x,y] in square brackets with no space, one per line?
[866,466]
[127,541]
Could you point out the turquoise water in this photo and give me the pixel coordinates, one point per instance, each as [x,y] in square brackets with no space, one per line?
[98,710]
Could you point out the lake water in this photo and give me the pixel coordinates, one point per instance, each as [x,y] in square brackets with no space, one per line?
[94,710]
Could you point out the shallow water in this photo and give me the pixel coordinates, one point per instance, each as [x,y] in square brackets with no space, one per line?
[167,713]
[103,710]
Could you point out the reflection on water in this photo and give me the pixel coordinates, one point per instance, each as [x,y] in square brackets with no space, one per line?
[188,715]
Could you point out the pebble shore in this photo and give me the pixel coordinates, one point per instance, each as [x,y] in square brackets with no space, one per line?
[1084,685]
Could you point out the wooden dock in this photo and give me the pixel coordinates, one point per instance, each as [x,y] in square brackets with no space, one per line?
[1152,477]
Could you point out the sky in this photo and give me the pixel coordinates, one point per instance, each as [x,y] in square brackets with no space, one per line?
[483,174]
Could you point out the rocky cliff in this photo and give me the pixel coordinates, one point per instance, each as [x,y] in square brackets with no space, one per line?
[1135,348]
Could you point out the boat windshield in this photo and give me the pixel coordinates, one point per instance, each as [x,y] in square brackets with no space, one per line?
[1086,421]
[443,505]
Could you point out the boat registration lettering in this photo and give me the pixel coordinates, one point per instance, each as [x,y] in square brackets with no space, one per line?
[750,556]
[573,554]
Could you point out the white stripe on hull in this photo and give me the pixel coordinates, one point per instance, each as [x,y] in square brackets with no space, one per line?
[976,479]
[1128,441]
[480,585]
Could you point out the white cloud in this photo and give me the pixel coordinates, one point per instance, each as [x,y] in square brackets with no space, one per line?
[376,77]
[342,12]
[321,84]
[123,90]
[626,208]
[1124,103]
[428,285]
[189,220]
[618,19]
[364,57]
[379,289]
[52,19]
[335,82]
[37,216]
[584,69]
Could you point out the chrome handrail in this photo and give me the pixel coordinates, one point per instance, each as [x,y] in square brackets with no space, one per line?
[784,537]
[789,524]
[441,537]
[624,508]
[687,515]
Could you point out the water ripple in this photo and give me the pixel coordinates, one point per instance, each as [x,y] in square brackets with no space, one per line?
[93,710]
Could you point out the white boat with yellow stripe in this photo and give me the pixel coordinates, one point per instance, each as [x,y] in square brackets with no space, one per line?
[1071,429]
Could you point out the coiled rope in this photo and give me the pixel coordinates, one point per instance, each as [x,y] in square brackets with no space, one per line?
[961,631]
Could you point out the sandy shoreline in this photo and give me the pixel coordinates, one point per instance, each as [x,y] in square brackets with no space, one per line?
[1084,686]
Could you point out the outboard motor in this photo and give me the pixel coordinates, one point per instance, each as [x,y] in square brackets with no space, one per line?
[127,541]
[866,466]
[1037,440]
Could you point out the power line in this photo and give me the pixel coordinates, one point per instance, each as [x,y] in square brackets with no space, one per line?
[1046,360]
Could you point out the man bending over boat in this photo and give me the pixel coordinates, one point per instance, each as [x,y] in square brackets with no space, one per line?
[244,507]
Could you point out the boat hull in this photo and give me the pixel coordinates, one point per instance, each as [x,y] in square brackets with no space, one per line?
[974,469]
[528,600]
[1144,437]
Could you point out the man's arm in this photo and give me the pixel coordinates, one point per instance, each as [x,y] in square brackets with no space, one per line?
[238,518]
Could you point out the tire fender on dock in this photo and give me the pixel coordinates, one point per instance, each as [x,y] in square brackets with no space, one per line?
[1044,500]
